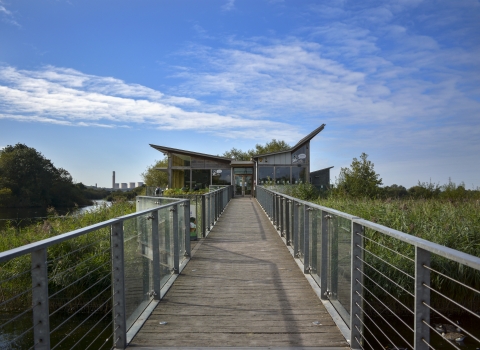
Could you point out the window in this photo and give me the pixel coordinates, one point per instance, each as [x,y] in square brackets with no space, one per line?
[282,175]
[299,175]
[180,160]
[200,178]
[265,175]
[221,177]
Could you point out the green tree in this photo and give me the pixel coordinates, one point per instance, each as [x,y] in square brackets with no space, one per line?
[270,147]
[153,177]
[27,178]
[360,180]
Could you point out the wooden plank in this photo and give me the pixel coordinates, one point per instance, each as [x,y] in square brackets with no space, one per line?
[242,288]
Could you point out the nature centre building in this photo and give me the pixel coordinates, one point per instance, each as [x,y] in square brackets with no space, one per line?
[188,169]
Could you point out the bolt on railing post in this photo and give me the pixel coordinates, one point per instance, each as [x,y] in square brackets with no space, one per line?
[324,257]
[119,311]
[306,239]
[356,293]
[41,314]
[176,244]
[155,255]
[204,216]
[186,226]
[422,295]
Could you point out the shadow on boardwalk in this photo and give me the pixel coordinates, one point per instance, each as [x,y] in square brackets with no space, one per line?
[242,288]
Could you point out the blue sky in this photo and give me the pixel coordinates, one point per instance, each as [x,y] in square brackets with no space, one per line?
[91,84]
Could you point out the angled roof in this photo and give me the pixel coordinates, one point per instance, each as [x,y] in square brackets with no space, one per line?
[298,144]
[164,150]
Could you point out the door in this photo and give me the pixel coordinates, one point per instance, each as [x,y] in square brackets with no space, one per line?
[243,185]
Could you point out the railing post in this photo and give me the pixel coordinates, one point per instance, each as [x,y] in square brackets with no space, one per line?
[119,312]
[324,257]
[186,226]
[333,257]
[306,239]
[155,256]
[288,235]
[422,295]
[41,314]
[176,252]
[204,216]
[356,306]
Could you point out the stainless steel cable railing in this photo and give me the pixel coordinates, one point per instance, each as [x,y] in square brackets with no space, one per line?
[391,289]
[87,288]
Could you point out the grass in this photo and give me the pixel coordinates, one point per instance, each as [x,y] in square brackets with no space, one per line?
[77,268]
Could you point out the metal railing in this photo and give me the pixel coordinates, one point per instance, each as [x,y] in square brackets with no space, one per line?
[391,289]
[93,287]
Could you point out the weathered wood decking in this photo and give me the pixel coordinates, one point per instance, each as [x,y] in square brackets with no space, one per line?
[242,288]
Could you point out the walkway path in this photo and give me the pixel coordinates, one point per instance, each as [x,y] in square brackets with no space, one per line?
[242,288]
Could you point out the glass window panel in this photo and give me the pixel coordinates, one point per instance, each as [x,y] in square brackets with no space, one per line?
[282,175]
[200,178]
[299,175]
[300,156]
[180,178]
[265,175]
[221,176]
[180,160]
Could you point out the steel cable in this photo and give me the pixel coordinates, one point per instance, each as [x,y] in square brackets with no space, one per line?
[81,248]
[398,301]
[94,326]
[453,323]
[381,245]
[61,341]
[61,307]
[393,328]
[388,278]
[99,334]
[452,301]
[452,279]
[386,262]
[76,312]
[84,276]
[68,270]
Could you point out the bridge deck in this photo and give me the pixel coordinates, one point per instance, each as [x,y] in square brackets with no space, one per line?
[242,288]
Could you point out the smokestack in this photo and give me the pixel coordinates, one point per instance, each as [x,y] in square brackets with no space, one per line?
[113,180]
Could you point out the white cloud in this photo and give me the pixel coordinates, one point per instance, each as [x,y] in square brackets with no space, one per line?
[7,16]
[229,5]
[68,97]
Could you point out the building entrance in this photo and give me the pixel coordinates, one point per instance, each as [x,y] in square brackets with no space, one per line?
[243,185]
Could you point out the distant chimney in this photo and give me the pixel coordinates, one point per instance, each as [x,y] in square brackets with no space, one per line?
[113,180]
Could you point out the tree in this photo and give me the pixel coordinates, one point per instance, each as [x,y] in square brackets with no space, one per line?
[27,178]
[270,147]
[360,180]
[153,177]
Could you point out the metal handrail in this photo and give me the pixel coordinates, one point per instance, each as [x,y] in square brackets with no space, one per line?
[328,251]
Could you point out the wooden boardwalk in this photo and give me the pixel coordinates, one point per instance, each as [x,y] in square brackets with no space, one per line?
[242,289]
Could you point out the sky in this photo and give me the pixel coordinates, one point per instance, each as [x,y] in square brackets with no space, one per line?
[90,84]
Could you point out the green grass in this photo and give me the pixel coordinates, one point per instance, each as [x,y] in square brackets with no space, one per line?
[452,224]
[78,263]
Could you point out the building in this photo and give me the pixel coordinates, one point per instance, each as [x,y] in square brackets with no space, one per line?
[188,169]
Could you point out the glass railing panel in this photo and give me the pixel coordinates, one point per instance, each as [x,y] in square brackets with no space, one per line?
[138,255]
[291,206]
[339,259]
[144,203]
[301,231]
[165,240]
[181,232]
